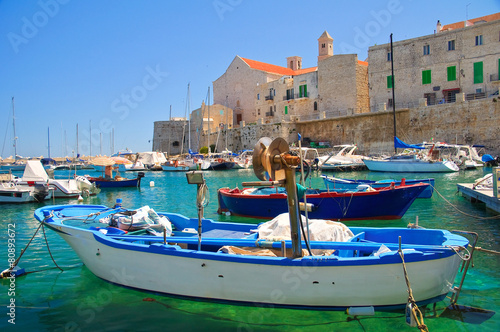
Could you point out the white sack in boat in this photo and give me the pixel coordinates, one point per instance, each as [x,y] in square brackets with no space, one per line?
[320,230]
[143,218]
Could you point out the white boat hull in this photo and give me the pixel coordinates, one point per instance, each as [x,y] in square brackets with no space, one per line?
[411,166]
[305,282]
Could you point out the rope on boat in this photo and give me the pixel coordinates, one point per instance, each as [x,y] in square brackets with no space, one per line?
[464,257]
[488,251]
[47,243]
[6,272]
[464,213]
[415,311]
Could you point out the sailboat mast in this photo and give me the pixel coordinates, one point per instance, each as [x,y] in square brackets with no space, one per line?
[77,152]
[208,137]
[227,126]
[393,99]
[90,146]
[48,139]
[189,117]
[170,131]
[14,125]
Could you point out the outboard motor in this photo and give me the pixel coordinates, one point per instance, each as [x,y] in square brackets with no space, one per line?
[41,191]
[140,175]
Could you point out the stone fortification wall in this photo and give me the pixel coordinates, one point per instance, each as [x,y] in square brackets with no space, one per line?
[471,122]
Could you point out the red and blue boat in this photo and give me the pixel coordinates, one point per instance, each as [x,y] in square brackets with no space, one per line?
[385,203]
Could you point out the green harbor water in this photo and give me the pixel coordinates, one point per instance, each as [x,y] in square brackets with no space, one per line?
[47,299]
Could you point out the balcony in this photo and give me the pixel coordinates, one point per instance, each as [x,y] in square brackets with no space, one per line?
[270,97]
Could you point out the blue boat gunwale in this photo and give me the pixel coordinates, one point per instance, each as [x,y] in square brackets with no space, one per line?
[432,252]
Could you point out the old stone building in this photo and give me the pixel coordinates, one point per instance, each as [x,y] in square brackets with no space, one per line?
[460,60]
[264,93]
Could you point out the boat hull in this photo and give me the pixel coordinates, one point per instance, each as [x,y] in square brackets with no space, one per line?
[221,166]
[103,183]
[171,168]
[314,282]
[411,166]
[380,204]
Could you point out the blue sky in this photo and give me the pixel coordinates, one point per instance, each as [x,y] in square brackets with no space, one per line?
[121,64]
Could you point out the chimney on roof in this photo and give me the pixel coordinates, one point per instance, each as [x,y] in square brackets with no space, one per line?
[294,62]
[438,26]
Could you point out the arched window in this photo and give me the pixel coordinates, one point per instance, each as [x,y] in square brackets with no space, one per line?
[315,105]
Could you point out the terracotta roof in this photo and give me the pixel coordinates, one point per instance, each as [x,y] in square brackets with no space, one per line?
[458,25]
[276,69]
[363,63]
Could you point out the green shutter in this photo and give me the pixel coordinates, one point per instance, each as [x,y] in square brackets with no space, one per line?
[478,72]
[452,73]
[286,109]
[389,82]
[426,77]
[305,90]
[300,91]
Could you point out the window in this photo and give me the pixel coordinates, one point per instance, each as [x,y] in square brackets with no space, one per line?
[389,82]
[389,56]
[426,77]
[478,72]
[286,109]
[315,105]
[322,45]
[258,111]
[451,45]
[479,40]
[452,73]
[258,96]
[302,90]
[389,103]
[427,49]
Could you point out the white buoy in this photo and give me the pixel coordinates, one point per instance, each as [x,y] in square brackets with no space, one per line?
[151,183]
[228,213]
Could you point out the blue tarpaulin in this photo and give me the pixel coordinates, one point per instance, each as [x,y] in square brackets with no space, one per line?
[402,145]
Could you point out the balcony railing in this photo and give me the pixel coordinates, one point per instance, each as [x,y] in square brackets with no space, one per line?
[270,97]
[296,96]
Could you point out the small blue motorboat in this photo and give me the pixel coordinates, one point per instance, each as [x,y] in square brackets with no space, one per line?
[116,182]
[333,183]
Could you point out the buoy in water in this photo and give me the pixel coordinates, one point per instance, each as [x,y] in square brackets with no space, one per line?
[151,183]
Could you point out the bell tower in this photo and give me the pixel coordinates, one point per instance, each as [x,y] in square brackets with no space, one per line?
[325,46]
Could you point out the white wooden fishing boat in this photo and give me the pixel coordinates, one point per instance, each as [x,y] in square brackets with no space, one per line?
[246,263]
